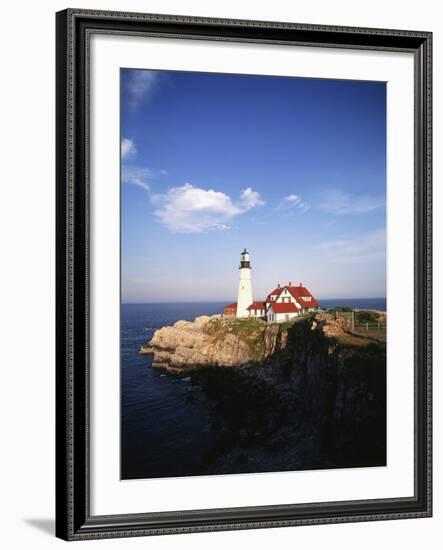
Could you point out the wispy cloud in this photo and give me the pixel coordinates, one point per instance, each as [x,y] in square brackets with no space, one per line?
[189,209]
[136,175]
[141,85]
[293,202]
[359,248]
[340,203]
[128,149]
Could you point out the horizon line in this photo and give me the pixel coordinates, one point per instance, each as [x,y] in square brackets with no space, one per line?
[230,301]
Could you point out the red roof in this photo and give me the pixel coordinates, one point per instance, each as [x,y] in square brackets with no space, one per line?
[257,305]
[300,292]
[286,307]
[230,309]
[275,292]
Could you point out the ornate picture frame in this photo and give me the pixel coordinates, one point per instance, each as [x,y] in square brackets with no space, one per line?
[74,520]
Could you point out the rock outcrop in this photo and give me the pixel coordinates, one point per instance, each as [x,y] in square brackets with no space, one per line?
[218,342]
[207,341]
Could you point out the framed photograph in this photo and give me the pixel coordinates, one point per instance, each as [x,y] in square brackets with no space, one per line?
[243,274]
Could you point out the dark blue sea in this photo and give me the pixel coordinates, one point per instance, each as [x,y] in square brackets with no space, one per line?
[356,303]
[166,420]
[165,428]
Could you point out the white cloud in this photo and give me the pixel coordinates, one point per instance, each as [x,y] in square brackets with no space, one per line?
[294,199]
[250,199]
[360,248]
[189,209]
[137,176]
[128,148]
[141,85]
[293,202]
[338,202]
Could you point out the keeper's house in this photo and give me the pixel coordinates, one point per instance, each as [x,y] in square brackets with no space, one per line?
[282,304]
[286,302]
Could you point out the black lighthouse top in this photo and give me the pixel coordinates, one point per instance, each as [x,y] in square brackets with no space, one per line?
[244,261]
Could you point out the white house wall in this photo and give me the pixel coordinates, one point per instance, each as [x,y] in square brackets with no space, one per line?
[257,313]
[283,298]
[280,317]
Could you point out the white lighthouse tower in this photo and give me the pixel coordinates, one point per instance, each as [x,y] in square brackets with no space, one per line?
[244,299]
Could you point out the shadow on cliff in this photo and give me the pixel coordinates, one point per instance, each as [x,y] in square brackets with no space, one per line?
[313,403]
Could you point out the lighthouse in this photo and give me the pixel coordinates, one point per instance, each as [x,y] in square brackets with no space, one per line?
[244,299]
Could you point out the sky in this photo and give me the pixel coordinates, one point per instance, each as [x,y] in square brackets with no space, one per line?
[293,169]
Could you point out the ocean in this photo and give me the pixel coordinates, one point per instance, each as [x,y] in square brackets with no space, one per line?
[165,430]
[167,421]
[356,303]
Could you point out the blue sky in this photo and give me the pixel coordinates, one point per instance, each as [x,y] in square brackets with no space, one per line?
[293,169]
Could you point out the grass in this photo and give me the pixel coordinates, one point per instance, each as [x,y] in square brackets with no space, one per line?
[250,331]
[242,327]
[245,326]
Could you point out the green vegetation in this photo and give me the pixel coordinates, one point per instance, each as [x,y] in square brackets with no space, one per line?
[366,316]
[250,331]
[245,327]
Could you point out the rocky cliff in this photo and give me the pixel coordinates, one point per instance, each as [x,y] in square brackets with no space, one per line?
[307,393]
[218,342]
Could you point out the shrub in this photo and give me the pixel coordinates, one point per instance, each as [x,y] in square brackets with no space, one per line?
[366,316]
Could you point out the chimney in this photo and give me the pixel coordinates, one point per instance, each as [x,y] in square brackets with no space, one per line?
[290,284]
[278,286]
[301,284]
